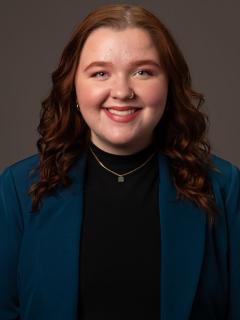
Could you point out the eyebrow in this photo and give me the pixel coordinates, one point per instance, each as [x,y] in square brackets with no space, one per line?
[135,64]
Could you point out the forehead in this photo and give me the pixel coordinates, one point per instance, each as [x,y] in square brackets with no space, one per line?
[110,44]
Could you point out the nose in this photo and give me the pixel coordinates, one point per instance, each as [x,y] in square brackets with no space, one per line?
[120,89]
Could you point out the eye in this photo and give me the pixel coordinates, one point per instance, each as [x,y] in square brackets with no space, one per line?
[144,72]
[98,74]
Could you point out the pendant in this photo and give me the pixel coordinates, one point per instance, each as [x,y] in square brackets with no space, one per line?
[121,179]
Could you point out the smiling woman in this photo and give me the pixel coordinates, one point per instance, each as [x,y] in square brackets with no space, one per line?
[112,65]
[123,213]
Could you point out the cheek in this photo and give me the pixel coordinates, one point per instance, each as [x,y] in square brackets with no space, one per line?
[90,96]
[155,95]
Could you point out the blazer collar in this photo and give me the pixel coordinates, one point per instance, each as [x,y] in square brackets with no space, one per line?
[182,226]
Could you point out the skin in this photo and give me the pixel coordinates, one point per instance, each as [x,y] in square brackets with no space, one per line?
[100,86]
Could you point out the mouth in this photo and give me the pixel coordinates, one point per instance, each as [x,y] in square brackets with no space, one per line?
[122,114]
[124,110]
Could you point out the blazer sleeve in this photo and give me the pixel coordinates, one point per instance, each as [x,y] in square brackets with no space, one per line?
[11,230]
[233,216]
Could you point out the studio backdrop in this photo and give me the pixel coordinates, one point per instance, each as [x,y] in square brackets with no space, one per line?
[33,34]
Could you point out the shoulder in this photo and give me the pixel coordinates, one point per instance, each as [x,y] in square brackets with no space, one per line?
[16,179]
[226,171]
[20,170]
[22,166]
[226,181]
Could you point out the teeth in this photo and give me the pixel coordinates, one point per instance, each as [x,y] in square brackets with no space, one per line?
[122,113]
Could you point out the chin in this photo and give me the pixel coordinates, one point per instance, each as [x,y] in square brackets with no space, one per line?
[122,142]
[119,141]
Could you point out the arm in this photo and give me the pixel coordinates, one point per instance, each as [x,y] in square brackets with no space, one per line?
[11,229]
[233,210]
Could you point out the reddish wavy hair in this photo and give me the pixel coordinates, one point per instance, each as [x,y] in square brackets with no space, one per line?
[181,133]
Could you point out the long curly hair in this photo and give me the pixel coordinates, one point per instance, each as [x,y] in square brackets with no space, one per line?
[181,133]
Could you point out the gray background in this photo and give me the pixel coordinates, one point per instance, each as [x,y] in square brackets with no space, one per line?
[33,34]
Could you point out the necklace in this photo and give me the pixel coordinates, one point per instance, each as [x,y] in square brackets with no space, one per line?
[121,176]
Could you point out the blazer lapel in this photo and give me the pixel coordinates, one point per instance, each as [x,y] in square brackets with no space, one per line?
[182,243]
[55,244]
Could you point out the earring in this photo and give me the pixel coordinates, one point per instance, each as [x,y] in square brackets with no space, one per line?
[77,105]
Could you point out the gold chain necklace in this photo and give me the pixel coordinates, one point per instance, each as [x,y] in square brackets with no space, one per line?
[121,176]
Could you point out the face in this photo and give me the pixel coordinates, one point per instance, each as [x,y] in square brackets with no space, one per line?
[113,65]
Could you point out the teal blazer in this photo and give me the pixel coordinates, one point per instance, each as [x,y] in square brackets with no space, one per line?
[40,252]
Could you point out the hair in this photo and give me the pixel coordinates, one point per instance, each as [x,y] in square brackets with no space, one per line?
[181,134]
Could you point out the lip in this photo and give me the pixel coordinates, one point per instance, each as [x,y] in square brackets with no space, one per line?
[122,108]
[122,119]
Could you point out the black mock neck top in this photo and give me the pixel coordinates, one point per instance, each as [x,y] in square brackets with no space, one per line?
[120,239]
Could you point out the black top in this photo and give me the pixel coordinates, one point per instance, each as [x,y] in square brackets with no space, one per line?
[120,245]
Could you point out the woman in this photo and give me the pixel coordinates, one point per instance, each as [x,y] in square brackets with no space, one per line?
[124,213]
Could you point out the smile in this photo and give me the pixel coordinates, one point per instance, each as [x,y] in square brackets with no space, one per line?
[126,115]
[123,112]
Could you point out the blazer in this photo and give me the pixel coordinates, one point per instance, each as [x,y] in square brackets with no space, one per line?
[40,252]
